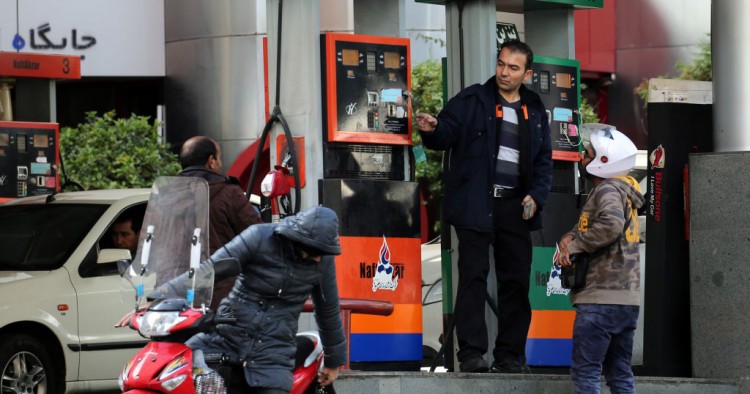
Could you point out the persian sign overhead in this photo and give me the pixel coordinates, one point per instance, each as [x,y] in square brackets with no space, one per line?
[112,38]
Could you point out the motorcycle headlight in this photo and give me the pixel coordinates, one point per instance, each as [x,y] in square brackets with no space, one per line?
[435,294]
[158,323]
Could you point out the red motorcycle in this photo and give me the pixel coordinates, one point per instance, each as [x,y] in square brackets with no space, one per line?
[176,307]
[165,365]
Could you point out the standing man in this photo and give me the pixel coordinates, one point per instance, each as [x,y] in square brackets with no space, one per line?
[607,306]
[230,212]
[499,176]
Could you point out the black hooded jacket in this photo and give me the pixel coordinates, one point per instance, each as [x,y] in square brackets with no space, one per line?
[268,296]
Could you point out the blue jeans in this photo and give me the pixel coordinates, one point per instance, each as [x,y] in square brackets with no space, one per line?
[603,342]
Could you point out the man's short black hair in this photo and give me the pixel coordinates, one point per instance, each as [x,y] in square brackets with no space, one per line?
[135,215]
[197,152]
[518,46]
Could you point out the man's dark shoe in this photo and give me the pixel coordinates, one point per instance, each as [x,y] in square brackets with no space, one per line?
[509,366]
[474,364]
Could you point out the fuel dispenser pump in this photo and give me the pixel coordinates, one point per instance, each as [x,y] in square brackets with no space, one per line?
[550,337]
[30,163]
[369,182]
[29,157]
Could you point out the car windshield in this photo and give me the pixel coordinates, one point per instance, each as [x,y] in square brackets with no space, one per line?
[42,237]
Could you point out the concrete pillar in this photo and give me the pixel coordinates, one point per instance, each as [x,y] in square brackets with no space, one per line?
[731,84]
[215,72]
[476,24]
[300,89]
[380,18]
[551,32]
[471,37]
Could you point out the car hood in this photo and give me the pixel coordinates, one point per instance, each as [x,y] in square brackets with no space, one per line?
[18,276]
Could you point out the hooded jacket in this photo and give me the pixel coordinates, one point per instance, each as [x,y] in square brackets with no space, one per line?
[614,274]
[268,296]
[229,214]
[466,130]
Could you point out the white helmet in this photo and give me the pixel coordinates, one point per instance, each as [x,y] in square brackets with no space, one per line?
[615,152]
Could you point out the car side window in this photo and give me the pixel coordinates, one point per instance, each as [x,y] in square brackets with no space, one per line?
[118,236]
[41,237]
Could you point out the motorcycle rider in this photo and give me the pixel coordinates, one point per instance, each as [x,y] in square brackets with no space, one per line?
[282,265]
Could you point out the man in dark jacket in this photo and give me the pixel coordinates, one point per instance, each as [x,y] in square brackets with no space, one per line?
[499,175]
[282,264]
[230,212]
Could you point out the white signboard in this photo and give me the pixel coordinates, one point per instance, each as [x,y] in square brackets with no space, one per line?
[113,37]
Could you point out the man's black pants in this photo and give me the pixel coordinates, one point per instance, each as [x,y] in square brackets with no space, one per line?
[512,252]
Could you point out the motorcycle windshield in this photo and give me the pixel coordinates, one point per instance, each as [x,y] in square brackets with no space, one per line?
[172,243]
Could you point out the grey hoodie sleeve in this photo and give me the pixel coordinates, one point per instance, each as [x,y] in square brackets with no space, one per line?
[328,317]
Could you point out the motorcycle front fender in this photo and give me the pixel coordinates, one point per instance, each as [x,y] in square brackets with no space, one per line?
[157,363]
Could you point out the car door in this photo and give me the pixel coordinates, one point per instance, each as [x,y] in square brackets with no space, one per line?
[104,349]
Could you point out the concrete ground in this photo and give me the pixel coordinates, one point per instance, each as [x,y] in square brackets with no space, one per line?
[363,382]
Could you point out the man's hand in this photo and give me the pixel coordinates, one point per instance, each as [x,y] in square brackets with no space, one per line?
[563,258]
[529,207]
[125,320]
[328,375]
[426,122]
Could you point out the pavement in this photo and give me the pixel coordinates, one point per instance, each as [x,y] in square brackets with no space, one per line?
[364,382]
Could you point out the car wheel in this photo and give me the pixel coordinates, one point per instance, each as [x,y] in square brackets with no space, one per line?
[26,367]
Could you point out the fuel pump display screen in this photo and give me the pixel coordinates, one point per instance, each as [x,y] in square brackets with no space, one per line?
[28,159]
[563,80]
[544,82]
[366,78]
[21,140]
[392,60]
[41,141]
[350,57]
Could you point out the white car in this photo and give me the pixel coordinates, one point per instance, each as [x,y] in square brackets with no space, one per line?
[61,292]
[432,302]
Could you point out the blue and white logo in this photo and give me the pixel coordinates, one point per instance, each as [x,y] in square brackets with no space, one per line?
[385,277]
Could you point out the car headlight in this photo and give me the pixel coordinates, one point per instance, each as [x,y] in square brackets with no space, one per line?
[435,294]
[158,323]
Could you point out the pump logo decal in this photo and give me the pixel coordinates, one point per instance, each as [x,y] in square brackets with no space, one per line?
[657,157]
[384,274]
[554,282]
[655,182]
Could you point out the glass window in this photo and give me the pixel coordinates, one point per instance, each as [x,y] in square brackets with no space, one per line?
[42,237]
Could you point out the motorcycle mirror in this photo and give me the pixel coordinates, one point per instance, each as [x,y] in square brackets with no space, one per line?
[123,265]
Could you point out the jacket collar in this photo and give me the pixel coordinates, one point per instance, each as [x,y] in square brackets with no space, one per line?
[202,172]
[489,88]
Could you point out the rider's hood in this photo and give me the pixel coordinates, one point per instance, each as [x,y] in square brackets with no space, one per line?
[315,228]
